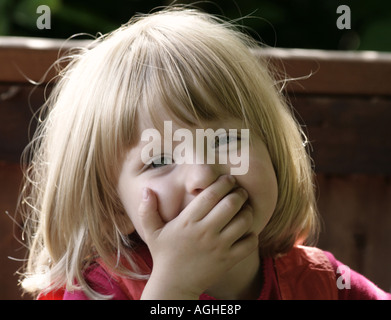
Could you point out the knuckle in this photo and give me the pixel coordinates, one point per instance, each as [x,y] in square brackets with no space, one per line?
[231,202]
[228,179]
[235,200]
[243,193]
[211,196]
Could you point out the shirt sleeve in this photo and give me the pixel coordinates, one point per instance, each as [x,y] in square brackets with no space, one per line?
[101,282]
[355,286]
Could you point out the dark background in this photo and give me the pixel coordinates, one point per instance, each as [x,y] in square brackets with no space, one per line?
[277,23]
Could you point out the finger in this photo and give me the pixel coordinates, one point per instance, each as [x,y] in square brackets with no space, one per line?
[239,226]
[150,219]
[201,205]
[219,217]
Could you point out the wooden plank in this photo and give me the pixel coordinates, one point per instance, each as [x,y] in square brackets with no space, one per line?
[18,104]
[356,214]
[10,233]
[331,72]
[25,59]
[348,134]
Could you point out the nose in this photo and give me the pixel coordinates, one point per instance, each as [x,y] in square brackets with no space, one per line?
[200,176]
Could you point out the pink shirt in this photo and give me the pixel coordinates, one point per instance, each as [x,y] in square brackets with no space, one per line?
[101,281]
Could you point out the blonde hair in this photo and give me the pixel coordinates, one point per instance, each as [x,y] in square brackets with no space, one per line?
[194,66]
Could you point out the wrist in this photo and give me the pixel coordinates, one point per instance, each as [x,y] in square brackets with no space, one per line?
[158,288]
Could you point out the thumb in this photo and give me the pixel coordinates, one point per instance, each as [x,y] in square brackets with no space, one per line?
[148,212]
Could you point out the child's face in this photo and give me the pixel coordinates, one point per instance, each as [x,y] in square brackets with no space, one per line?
[176,185]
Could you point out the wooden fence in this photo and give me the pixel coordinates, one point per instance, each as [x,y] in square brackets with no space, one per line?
[345,106]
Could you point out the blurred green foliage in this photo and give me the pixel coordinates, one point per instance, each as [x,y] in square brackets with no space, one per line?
[277,23]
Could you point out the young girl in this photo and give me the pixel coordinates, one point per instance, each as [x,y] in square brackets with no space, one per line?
[107,223]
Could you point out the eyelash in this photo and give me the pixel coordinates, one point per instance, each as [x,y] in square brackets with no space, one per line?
[162,162]
[228,139]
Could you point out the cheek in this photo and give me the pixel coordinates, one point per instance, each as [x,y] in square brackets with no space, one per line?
[130,202]
[263,193]
[261,184]
[168,197]
[130,194]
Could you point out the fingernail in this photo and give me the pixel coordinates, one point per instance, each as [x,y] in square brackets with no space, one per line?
[243,192]
[145,194]
[231,178]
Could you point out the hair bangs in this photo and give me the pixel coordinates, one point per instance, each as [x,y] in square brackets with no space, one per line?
[179,82]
